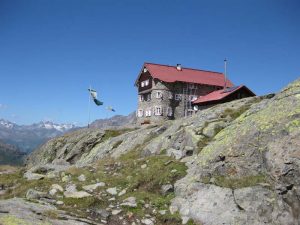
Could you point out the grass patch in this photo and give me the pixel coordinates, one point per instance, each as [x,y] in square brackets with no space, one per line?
[82,203]
[126,172]
[52,214]
[114,133]
[202,143]
[235,183]
[235,113]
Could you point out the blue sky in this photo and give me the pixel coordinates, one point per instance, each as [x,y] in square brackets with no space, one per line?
[52,50]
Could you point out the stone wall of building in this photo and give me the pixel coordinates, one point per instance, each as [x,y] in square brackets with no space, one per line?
[171,107]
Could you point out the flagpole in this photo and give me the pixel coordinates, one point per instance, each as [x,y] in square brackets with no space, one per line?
[89,106]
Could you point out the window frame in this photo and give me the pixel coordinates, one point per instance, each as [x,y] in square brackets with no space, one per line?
[160,113]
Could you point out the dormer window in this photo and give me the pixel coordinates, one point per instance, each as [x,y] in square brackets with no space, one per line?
[145,83]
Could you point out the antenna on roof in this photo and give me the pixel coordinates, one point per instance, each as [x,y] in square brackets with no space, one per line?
[225,73]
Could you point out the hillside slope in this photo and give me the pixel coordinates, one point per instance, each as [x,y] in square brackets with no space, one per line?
[10,155]
[242,158]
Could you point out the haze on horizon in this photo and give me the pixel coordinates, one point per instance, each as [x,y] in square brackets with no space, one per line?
[51,51]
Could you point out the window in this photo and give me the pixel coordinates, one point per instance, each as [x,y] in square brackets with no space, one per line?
[170,111]
[159,94]
[144,83]
[141,98]
[148,113]
[178,97]
[148,97]
[170,95]
[158,111]
[140,113]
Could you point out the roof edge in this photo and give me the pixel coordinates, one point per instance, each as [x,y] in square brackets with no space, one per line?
[158,64]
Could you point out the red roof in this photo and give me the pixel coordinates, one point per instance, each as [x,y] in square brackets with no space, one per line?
[170,74]
[219,94]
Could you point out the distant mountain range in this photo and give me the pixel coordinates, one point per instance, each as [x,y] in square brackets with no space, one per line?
[26,138]
[115,121]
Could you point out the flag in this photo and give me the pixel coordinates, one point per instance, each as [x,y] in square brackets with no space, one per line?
[110,109]
[94,96]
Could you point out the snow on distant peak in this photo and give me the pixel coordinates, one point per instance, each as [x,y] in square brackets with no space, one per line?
[60,127]
[6,124]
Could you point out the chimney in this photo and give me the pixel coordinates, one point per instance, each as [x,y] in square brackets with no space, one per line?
[225,74]
[178,67]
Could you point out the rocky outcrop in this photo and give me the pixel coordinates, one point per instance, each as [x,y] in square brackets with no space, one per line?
[243,158]
[19,211]
[249,172]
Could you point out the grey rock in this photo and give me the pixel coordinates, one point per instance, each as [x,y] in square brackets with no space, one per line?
[33,194]
[33,213]
[82,178]
[57,187]
[71,187]
[66,178]
[213,128]
[147,222]
[112,191]
[166,189]
[76,194]
[130,202]
[102,213]
[33,176]
[93,187]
